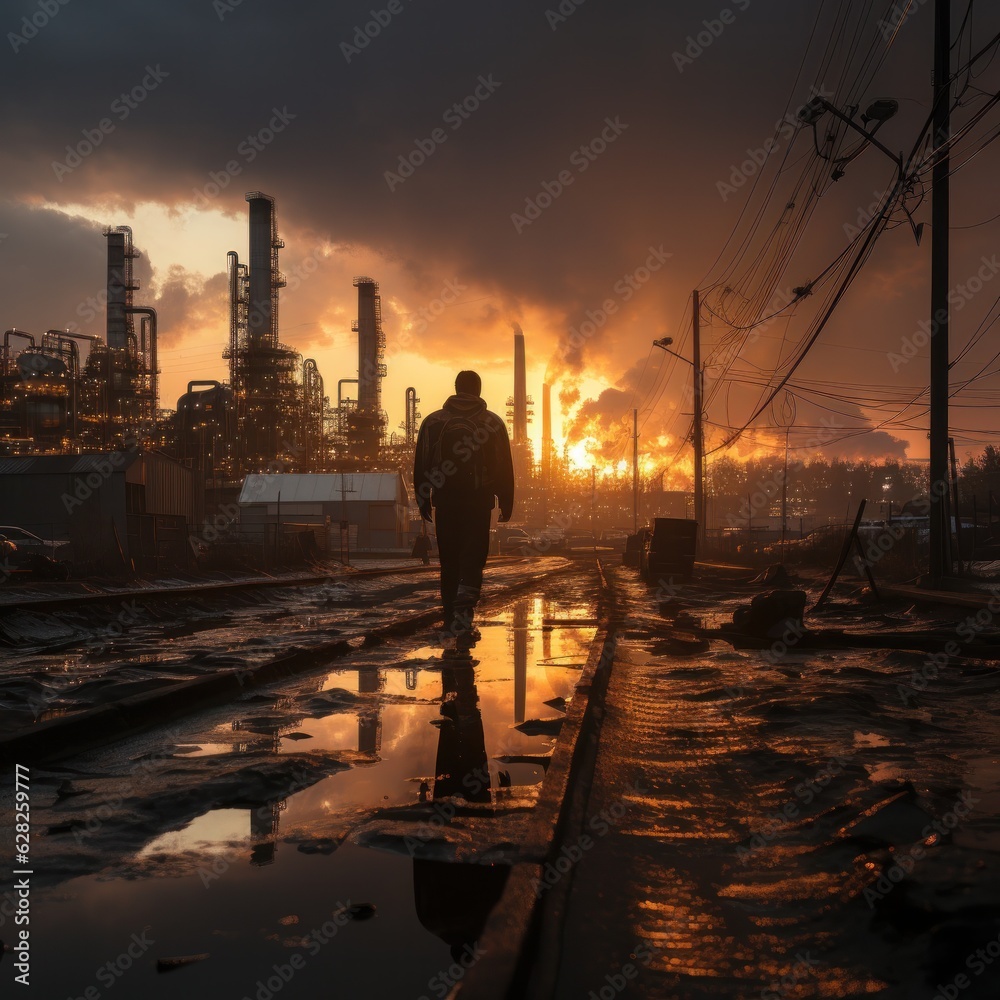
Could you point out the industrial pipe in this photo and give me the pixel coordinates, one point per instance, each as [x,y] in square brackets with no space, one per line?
[6,344]
[59,337]
[18,333]
[89,337]
[214,383]
[151,313]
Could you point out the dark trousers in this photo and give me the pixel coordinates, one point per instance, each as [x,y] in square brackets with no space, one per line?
[463,536]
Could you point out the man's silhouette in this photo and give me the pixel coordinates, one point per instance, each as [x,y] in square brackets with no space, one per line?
[462,468]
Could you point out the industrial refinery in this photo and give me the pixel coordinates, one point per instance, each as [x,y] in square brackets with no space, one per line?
[68,392]
[68,397]
[73,393]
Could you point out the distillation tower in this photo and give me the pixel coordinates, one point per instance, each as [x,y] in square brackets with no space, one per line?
[262,370]
[120,391]
[367,420]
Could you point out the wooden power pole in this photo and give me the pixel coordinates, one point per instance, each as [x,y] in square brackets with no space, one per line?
[696,430]
[635,471]
[939,356]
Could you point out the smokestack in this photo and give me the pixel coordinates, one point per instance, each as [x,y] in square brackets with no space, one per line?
[546,433]
[371,370]
[119,286]
[265,279]
[520,391]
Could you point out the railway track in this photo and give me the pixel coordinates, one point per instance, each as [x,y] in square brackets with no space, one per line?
[40,598]
[351,620]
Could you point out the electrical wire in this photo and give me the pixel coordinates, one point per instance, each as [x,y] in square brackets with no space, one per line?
[761,276]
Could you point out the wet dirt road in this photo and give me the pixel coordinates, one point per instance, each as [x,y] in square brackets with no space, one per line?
[772,823]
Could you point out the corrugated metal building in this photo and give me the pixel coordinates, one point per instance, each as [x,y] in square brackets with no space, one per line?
[128,509]
[374,506]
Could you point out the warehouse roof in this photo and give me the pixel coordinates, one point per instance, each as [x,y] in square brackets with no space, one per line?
[67,465]
[317,488]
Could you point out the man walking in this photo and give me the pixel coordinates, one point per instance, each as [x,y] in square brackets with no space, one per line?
[462,467]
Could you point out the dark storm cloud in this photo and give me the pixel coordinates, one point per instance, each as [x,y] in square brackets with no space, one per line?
[41,247]
[534,157]
[168,96]
[38,249]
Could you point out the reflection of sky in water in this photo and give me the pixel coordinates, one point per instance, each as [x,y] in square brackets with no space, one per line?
[217,826]
[248,882]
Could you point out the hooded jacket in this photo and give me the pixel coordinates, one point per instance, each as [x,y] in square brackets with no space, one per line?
[432,485]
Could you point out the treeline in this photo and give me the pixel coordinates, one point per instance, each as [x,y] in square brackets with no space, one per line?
[817,486]
[836,486]
[821,486]
[980,476]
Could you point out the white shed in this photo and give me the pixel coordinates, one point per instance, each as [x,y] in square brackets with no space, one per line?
[372,506]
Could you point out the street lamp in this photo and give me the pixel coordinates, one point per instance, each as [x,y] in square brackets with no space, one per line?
[663,343]
[878,111]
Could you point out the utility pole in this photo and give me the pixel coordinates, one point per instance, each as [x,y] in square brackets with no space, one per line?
[277,529]
[593,494]
[635,471]
[784,497]
[697,435]
[345,524]
[939,356]
[955,518]
[699,458]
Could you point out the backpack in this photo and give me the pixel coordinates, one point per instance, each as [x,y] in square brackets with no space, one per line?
[461,456]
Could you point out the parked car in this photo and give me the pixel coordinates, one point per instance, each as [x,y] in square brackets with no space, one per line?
[825,536]
[550,539]
[580,540]
[615,538]
[512,540]
[615,534]
[28,542]
[30,561]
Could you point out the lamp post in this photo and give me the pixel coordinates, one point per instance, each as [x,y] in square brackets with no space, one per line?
[878,111]
[696,432]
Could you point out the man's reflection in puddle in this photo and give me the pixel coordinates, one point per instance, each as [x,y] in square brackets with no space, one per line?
[454,900]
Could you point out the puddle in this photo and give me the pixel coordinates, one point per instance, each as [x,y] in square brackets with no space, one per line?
[431,771]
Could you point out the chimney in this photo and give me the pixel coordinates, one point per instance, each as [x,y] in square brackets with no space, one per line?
[546,433]
[520,391]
